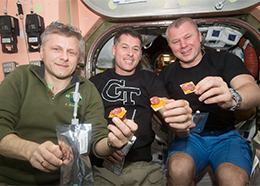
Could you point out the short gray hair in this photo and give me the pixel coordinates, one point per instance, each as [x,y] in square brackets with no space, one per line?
[64,30]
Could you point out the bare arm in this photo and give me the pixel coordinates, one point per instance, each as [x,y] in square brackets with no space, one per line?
[215,90]
[45,157]
[102,149]
[248,89]
[14,147]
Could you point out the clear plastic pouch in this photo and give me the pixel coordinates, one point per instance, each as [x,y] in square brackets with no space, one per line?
[199,118]
[74,141]
[117,168]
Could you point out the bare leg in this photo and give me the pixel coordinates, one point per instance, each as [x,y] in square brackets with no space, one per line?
[230,174]
[181,170]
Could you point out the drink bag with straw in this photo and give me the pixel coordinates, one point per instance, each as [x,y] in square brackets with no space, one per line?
[74,141]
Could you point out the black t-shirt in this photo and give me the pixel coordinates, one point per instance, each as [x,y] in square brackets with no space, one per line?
[132,92]
[225,65]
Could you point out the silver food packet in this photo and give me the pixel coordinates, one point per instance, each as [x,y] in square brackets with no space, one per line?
[117,168]
[74,142]
[199,118]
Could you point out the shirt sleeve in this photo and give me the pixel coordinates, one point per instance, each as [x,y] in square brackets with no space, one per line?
[232,66]
[95,115]
[158,88]
[9,103]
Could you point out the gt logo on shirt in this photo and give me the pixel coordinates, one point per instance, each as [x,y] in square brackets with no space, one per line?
[115,90]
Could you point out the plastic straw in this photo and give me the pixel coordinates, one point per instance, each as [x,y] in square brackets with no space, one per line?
[76,96]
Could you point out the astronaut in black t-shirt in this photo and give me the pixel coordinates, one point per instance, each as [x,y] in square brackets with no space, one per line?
[125,86]
[223,84]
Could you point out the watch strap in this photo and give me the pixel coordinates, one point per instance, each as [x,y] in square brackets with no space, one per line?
[111,146]
[237,97]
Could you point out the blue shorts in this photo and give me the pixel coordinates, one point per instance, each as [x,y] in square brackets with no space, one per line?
[214,150]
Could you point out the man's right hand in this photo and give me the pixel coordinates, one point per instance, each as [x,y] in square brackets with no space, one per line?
[119,135]
[46,156]
[121,132]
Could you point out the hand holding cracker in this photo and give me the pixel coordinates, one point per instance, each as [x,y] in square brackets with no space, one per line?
[177,115]
[123,129]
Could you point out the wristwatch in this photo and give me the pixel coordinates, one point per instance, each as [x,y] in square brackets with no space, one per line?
[237,97]
[111,146]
